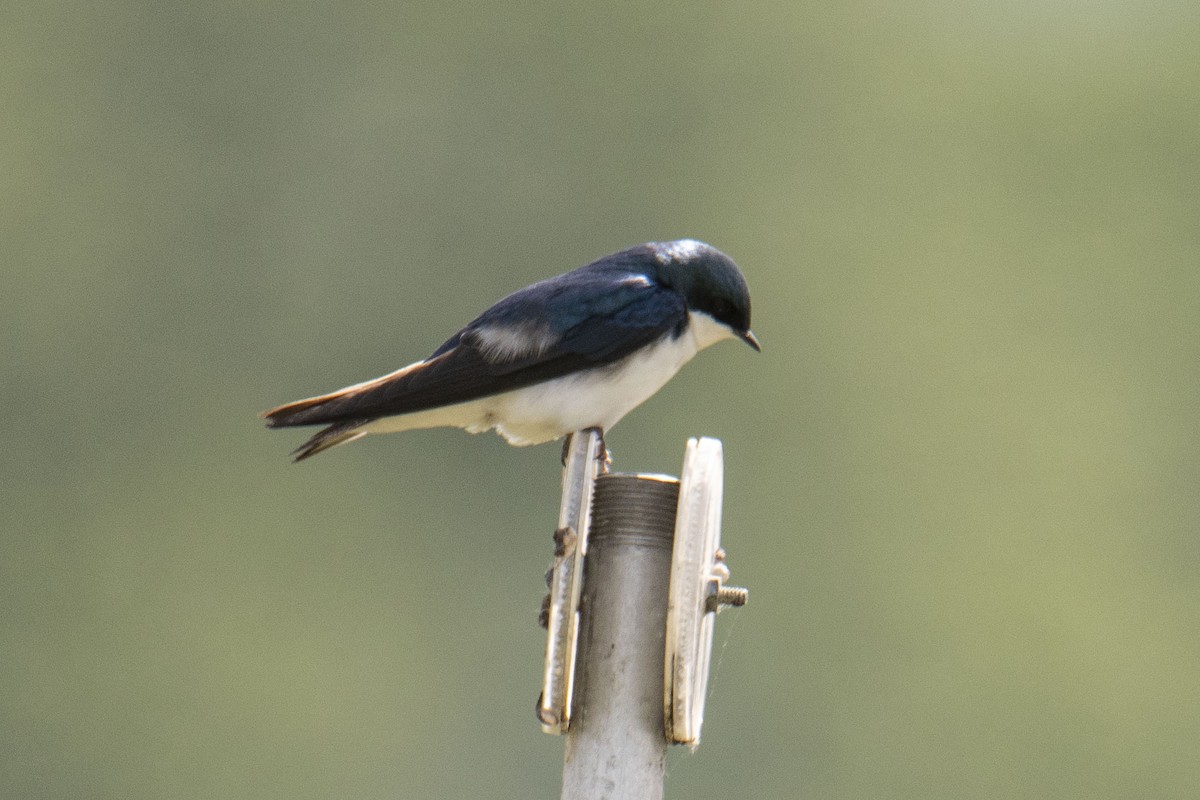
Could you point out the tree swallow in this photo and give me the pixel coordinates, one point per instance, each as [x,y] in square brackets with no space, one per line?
[566,354]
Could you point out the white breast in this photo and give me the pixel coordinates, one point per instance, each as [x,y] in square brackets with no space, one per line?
[600,397]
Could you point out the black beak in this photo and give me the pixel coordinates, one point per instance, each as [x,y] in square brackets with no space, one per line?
[749,338]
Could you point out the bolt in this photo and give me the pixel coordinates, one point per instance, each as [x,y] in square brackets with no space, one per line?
[727,596]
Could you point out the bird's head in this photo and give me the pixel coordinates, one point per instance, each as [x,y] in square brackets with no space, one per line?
[709,281]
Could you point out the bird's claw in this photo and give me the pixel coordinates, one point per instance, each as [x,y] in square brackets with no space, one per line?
[602,453]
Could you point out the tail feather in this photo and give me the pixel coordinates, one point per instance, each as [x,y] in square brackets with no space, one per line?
[336,406]
[324,410]
[344,412]
[291,413]
[309,411]
[336,434]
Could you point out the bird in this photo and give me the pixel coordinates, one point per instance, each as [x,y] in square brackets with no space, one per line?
[575,352]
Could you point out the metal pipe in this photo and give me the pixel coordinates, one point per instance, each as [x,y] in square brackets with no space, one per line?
[616,747]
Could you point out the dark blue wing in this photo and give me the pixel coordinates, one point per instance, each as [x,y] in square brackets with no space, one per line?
[583,320]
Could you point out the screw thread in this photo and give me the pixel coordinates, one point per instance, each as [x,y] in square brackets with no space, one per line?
[728,596]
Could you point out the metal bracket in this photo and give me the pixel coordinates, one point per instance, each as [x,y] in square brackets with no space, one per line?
[566,580]
[697,592]
[697,589]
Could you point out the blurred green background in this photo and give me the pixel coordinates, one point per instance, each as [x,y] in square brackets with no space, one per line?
[961,478]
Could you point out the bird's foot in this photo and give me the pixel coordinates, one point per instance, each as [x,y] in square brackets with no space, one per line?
[602,453]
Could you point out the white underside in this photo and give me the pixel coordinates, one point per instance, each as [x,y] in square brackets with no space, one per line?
[596,398]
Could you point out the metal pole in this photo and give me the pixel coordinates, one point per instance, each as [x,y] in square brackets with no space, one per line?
[616,748]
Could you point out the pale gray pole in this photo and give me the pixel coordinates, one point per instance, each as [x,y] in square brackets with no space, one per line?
[616,748]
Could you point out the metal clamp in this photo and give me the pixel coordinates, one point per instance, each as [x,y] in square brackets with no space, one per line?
[697,591]
[566,581]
